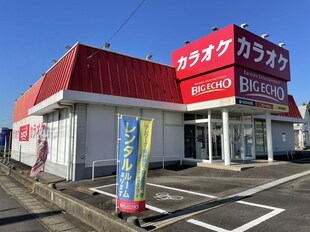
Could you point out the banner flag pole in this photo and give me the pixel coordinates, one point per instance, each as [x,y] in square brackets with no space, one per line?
[133,152]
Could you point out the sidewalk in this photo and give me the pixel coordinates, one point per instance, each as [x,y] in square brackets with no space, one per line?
[198,185]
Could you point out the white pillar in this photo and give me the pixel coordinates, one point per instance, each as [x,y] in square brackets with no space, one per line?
[243,150]
[226,136]
[210,136]
[269,137]
[301,138]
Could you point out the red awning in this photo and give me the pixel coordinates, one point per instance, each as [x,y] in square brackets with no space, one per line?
[293,111]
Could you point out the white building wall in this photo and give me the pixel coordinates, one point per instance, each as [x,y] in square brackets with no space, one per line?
[79,142]
[91,134]
[56,127]
[173,135]
[52,126]
[25,151]
[58,136]
[100,134]
[302,130]
[282,136]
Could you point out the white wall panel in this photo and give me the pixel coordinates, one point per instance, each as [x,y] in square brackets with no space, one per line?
[172,118]
[101,134]
[129,111]
[25,151]
[80,133]
[173,135]
[63,132]
[282,136]
[54,139]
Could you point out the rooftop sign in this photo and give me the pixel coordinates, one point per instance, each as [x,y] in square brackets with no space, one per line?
[229,46]
[248,87]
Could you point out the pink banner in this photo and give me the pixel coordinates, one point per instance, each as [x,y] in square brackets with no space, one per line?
[42,152]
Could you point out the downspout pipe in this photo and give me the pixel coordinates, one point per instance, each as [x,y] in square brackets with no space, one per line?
[71,133]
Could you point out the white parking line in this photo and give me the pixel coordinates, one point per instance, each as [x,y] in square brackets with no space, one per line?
[103,192]
[259,220]
[104,186]
[158,210]
[275,211]
[271,184]
[166,187]
[207,226]
[182,190]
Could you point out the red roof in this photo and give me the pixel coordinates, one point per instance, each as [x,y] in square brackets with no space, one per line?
[58,77]
[26,101]
[293,111]
[95,70]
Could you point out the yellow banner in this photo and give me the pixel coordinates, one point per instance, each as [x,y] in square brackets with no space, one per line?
[143,159]
[281,108]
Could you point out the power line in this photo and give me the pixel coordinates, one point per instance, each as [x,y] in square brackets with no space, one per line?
[118,30]
[126,21]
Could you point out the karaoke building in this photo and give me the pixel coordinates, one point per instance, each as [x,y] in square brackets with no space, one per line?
[224,99]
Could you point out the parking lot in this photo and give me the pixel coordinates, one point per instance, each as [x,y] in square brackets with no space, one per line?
[164,199]
[200,199]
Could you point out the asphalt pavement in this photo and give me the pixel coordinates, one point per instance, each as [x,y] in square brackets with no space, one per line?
[14,217]
[171,192]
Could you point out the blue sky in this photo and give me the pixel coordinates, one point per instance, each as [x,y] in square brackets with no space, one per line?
[35,32]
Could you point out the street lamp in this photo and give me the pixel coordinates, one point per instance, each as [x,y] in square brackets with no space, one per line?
[214,29]
[244,25]
[107,45]
[281,44]
[149,57]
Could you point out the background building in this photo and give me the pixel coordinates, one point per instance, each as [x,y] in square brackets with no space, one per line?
[302,135]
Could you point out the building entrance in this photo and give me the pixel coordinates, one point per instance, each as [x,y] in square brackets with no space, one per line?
[197,141]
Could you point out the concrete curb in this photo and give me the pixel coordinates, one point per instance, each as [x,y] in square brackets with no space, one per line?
[238,167]
[96,218]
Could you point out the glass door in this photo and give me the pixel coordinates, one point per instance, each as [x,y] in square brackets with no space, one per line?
[235,141]
[217,144]
[248,142]
[189,143]
[201,148]
[260,138]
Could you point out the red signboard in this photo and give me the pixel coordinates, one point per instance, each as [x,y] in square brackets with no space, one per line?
[236,82]
[216,85]
[24,133]
[231,45]
[209,53]
[259,87]
[254,52]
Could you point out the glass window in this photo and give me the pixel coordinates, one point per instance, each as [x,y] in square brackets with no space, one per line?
[260,137]
[248,141]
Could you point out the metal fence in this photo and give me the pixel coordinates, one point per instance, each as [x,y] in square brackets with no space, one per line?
[163,159]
